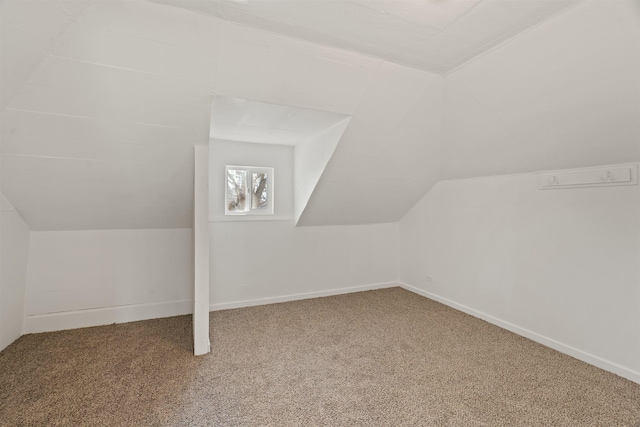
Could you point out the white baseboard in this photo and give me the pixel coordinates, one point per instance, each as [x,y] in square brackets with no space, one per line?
[556,345]
[295,297]
[131,313]
[105,316]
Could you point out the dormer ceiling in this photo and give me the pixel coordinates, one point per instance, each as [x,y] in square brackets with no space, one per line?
[245,120]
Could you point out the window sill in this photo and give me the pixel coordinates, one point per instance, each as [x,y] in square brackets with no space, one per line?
[240,218]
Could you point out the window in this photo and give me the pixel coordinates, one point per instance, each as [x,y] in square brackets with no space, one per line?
[249,191]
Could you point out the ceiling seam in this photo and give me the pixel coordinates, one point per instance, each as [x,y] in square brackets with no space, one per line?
[333,44]
[510,38]
[32,156]
[117,67]
[52,45]
[97,119]
[112,29]
[101,92]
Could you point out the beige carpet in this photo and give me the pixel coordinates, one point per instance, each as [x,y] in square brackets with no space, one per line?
[379,358]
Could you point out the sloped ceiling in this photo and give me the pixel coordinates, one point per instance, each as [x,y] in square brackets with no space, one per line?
[566,96]
[388,157]
[432,35]
[99,135]
[29,31]
[103,100]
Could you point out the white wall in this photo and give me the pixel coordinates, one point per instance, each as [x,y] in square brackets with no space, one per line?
[269,259]
[559,266]
[14,252]
[86,278]
[259,262]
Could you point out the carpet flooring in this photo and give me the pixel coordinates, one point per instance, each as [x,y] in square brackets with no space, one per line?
[378,358]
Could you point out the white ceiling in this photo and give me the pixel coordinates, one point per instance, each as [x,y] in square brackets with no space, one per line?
[432,35]
[567,96]
[103,100]
[238,119]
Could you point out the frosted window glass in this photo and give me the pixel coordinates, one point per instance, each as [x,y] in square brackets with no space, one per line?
[260,191]
[237,190]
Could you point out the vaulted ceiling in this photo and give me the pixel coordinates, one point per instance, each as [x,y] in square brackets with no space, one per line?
[102,100]
[431,35]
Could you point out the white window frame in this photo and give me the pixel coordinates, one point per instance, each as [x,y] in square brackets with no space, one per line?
[269,210]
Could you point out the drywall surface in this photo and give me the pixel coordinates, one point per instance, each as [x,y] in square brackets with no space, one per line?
[563,95]
[86,278]
[14,252]
[233,153]
[309,160]
[106,99]
[116,93]
[201,344]
[388,156]
[260,262]
[559,266]
[431,35]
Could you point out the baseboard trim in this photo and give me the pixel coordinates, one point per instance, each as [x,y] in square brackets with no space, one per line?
[301,296]
[541,339]
[105,316]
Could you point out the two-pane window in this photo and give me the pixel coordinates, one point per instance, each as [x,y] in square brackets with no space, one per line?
[249,190]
